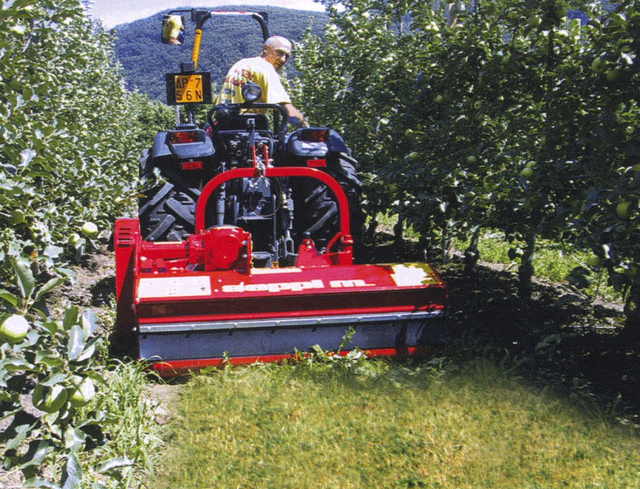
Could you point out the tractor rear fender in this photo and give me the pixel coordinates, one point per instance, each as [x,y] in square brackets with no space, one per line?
[279,172]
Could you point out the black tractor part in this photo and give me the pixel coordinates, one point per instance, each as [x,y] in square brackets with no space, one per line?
[316,212]
[177,166]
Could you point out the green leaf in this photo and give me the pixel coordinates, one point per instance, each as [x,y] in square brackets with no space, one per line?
[48,287]
[73,438]
[38,451]
[86,354]
[53,251]
[70,317]
[25,279]
[67,272]
[15,364]
[56,377]
[52,327]
[114,463]
[89,322]
[9,297]
[19,430]
[26,156]
[37,482]
[77,342]
[48,359]
[72,473]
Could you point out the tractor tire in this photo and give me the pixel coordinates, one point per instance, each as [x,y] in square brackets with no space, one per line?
[317,213]
[346,174]
[167,214]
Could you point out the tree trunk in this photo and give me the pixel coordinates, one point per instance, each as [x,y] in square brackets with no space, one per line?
[398,236]
[448,242]
[471,254]
[632,315]
[525,273]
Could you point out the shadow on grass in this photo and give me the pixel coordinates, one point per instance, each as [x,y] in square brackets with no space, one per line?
[559,337]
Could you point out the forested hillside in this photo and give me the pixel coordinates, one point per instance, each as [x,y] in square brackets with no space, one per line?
[226,40]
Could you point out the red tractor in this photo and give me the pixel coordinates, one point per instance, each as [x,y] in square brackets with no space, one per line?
[244,248]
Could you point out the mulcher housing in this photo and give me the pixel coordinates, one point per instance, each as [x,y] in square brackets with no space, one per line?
[240,279]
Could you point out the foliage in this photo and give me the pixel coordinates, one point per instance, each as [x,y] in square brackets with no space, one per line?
[42,378]
[68,133]
[66,127]
[225,40]
[517,116]
[130,418]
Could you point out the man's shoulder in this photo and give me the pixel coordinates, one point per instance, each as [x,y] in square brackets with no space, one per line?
[255,61]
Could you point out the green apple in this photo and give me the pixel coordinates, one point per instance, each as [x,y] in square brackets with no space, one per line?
[439,99]
[14,329]
[414,156]
[17,217]
[612,75]
[622,209]
[534,21]
[598,65]
[49,399]
[89,229]
[471,160]
[527,172]
[593,261]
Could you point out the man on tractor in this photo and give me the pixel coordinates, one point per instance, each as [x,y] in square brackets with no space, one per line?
[262,70]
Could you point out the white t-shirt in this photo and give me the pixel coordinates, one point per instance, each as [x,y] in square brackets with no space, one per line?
[257,70]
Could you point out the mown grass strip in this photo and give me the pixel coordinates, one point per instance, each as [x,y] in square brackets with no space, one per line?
[468,425]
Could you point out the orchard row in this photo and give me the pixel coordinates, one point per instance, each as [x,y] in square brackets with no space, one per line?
[516,116]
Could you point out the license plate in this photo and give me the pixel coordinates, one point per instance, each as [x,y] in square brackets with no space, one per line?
[188,88]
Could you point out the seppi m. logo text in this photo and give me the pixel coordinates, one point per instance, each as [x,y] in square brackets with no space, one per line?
[294,286]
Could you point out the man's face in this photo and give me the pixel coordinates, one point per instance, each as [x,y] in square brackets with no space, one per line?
[278,55]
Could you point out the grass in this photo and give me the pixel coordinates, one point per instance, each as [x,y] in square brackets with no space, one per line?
[467,424]
[553,261]
[132,436]
[463,420]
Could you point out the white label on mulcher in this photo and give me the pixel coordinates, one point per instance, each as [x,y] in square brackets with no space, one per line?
[174,287]
[411,275]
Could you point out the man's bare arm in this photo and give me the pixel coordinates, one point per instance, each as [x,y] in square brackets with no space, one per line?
[295,113]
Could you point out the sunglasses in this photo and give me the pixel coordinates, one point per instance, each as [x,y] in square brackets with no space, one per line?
[281,52]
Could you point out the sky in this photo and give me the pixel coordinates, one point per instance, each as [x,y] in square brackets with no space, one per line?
[114,12]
